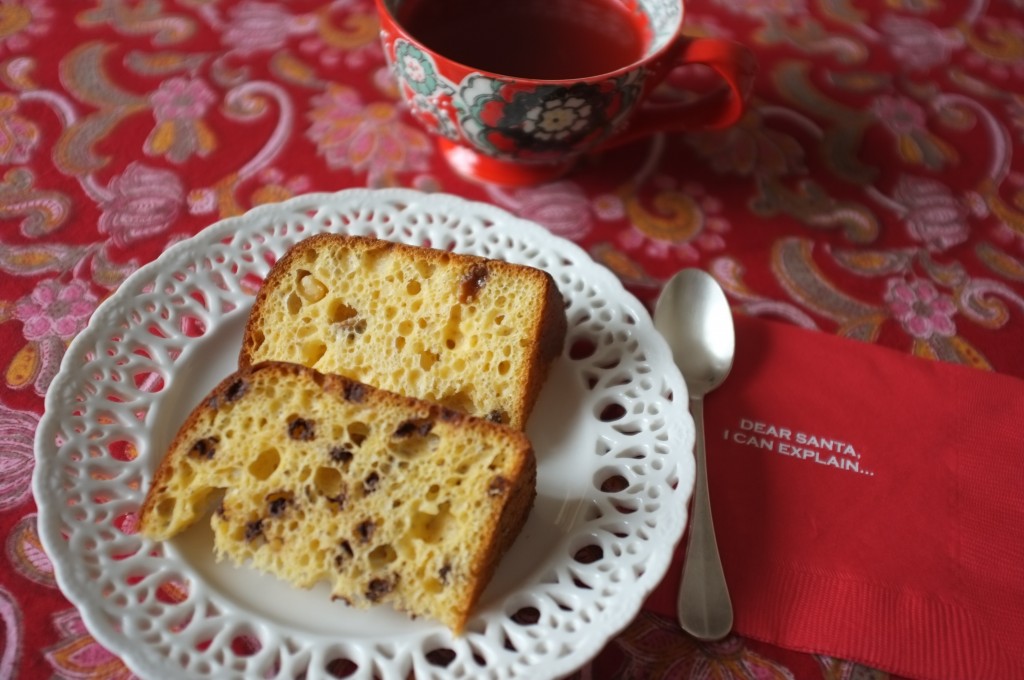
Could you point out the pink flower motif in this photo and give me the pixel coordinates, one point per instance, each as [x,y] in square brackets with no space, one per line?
[917,44]
[79,655]
[562,207]
[920,308]
[22,20]
[17,430]
[55,309]
[144,201]
[263,26]
[10,619]
[934,215]
[368,138]
[18,135]
[766,9]
[182,99]
[901,115]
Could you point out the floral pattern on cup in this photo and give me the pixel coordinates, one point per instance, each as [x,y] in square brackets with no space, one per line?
[545,120]
[417,70]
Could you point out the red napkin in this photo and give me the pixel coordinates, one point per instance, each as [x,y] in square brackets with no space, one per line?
[869,505]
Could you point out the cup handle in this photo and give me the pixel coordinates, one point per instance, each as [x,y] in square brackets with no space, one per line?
[736,65]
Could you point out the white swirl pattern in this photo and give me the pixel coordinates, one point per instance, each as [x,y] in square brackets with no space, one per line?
[612,434]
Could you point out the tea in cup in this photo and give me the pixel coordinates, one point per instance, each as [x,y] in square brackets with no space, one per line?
[515,91]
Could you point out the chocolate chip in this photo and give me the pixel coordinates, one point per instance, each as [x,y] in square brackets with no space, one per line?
[498,486]
[421,426]
[339,454]
[497,416]
[346,548]
[204,448]
[365,530]
[352,327]
[355,391]
[443,573]
[222,512]
[236,390]
[340,500]
[253,530]
[472,282]
[301,429]
[378,588]
[278,506]
[370,483]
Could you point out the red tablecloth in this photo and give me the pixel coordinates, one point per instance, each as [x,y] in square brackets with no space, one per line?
[873,191]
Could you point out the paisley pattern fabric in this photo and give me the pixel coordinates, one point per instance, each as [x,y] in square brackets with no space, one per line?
[875,189]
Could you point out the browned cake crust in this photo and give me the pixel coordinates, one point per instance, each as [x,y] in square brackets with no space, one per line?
[474,334]
[318,477]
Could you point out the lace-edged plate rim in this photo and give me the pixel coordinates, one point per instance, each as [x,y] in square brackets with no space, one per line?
[612,432]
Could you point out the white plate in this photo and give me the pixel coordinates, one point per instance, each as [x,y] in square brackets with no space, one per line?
[612,433]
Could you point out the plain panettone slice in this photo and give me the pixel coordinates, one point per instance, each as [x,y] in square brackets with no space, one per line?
[390,499]
[474,334]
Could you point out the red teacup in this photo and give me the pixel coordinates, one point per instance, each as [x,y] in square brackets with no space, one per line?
[516,90]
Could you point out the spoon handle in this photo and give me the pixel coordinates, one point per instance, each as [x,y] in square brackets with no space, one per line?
[704,607]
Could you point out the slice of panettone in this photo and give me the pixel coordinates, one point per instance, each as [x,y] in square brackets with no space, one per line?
[321,478]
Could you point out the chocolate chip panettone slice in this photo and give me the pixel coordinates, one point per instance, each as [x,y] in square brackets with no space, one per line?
[317,477]
[474,334]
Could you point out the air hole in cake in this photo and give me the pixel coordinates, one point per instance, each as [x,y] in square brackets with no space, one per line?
[399,343]
[424,268]
[166,508]
[265,464]
[381,556]
[258,338]
[327,481]
[347,319]
[428,359]
[430,527]
[312,352]
[415,446]
[433,492]
[185,472]
[405,327]
[413,288]
[358,432]
[293,304]
[310,287]
[503,367]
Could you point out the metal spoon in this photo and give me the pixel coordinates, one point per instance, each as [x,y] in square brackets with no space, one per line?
[694,316]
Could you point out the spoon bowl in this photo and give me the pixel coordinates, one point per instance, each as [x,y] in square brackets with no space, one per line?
[694,316]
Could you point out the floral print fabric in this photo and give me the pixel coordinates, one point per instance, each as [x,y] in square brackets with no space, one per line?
[875,189]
